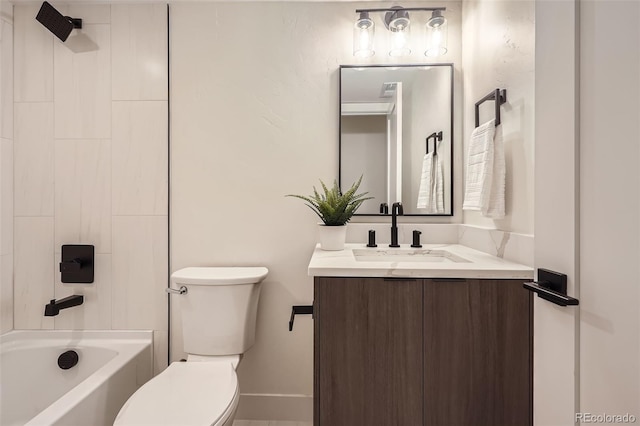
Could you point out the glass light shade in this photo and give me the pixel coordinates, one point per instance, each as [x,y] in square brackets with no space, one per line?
[363,33]
[399,43]
[436,37]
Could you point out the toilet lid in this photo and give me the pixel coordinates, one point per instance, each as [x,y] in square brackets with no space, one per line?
[186,393]
[219,275]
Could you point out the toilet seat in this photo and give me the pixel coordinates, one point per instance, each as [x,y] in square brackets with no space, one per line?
[186,393]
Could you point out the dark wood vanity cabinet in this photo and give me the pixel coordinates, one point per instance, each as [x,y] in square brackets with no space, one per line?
[422,352]
[477,353]
[368,352]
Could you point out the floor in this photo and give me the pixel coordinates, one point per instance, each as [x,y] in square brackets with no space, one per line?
[269,423]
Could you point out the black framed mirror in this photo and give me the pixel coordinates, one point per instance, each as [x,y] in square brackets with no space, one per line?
[396,129]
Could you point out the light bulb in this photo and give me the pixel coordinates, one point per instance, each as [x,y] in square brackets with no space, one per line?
[363,33]
[399,26]
[400,41]
[436,35]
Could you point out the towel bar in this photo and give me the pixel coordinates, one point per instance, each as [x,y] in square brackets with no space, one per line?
[498,95]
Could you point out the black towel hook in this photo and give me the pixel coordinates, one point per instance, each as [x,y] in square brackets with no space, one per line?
[437,136]
[499,96]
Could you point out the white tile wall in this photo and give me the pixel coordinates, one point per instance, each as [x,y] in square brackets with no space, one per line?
[33,57]
[6,200]
[139,36]
[90,13]
[83,87]
[33,158]
[95,311]
[6,293]
[67,179]
[83,193]
[6,80]
[140,155]
[160,343]
[140,272]
[33,272]
[6,166]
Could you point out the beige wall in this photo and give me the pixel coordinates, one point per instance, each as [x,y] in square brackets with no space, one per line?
[6,166]
[255,117]
[434,116]
[609,207]
[364,148]
[90,163]
[498,40]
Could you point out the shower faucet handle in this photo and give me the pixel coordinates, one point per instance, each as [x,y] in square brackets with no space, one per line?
[71,265]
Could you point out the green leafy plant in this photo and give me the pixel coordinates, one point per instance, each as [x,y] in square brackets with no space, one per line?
[332,206]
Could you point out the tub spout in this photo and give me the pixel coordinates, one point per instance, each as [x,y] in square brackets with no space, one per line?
[53,308]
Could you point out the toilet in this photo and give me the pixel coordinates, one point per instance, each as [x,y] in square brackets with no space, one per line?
[218,306]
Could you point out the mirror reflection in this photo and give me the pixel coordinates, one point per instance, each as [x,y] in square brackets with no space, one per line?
[396,128]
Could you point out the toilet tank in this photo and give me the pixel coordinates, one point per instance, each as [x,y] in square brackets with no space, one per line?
[219,309]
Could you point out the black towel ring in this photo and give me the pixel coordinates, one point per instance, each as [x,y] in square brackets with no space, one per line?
[437,136]
[498,95]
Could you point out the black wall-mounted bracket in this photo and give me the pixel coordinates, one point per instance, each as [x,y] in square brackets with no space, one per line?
[76,22]
[299,310]
[499,96]
[437,137]
[552,286]
[77,262]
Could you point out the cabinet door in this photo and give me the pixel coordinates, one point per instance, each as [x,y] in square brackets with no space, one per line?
[368,352]
[478,353]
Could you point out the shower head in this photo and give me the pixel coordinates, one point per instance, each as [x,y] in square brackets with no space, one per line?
[57,23]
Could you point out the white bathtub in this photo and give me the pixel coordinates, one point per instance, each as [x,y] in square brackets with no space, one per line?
[112,365]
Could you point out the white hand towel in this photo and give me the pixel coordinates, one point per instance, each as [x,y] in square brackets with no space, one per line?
[425,192]
[480,160]
[438,190]
[495,206]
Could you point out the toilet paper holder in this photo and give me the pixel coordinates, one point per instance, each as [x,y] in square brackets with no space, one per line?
[299,310]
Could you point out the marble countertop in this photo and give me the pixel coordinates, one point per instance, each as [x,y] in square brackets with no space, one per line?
[471,263]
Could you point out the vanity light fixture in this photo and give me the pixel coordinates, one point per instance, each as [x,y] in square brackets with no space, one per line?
[399,26]
[396,20]
[436,35]
[363,32]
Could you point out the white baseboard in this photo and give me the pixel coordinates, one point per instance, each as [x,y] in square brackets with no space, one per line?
[275,407]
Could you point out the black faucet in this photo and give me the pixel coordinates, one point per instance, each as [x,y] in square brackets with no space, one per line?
[53,308]
[396,210]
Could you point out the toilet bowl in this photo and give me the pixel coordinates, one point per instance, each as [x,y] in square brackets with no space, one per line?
[219,314]
[186,393]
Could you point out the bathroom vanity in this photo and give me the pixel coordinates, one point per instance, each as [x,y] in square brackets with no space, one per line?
[435,336]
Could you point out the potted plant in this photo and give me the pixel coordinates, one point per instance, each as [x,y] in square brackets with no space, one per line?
[335,208]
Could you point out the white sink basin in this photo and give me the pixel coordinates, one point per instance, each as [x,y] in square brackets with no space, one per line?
[407,255]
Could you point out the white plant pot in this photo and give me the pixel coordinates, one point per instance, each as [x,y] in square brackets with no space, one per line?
[332,237]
